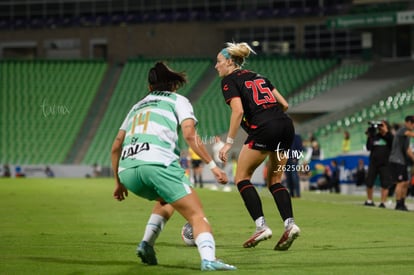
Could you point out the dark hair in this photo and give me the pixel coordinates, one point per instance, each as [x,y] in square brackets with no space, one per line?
[162,78]
[409,119]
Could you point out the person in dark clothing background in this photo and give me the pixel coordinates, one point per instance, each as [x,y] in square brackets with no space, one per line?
[360,174]
[334,180]
[379,142]
[292,173]
[400,157]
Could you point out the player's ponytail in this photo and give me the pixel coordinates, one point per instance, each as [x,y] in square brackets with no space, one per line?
[238,52]
[162,78]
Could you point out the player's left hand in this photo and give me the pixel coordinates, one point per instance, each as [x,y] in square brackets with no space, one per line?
[120,192]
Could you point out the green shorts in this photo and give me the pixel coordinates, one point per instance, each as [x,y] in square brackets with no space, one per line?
[154,182]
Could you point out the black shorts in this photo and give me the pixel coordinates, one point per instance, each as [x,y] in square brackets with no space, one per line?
[384,173]
[274,135]
[195,163]
[399,172]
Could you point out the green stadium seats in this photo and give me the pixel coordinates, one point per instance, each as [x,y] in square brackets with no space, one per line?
[335,78]
[44,106]
[393,109]
[131,87]
[46,103]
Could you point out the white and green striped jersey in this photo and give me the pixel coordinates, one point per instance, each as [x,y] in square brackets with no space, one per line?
[151,128]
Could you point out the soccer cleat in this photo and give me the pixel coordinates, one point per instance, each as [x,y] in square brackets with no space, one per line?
[215,265]
[260,235]
[288,237]
[382,205]
[369,203]
[146,253]
[402,207]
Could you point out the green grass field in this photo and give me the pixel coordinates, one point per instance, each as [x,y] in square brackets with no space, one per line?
[73,226]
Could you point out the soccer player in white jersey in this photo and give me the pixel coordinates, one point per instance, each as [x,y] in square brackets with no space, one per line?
[145,161]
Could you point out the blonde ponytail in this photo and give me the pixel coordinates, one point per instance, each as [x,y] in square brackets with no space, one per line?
[238,52]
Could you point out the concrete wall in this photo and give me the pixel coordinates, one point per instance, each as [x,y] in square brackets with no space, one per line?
[177,39]
[194,39]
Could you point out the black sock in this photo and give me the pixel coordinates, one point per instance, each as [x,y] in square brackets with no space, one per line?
[282,199]
[251,199]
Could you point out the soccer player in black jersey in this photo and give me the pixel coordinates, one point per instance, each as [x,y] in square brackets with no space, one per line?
[260,109]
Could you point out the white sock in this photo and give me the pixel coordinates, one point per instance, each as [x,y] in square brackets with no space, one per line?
[288,222]
[260,222]
[206,246]
[153,229]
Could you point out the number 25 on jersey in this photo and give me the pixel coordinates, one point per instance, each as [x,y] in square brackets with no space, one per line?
[261,95]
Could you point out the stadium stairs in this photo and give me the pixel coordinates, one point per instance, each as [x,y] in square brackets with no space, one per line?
[130,87]
[199,88]
[95,113]
[385,92]
[382,80]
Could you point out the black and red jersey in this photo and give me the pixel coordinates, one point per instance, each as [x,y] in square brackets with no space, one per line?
[255,91]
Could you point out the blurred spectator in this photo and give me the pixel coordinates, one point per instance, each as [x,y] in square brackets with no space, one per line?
[49,173]
[185,162]
[411,185]
[18,172]
[323,182]
[231,167]
[292,167]
[97,170]
[360,174]
[196,167]
[334,179]
[346,142]
[314,152]
[400,157]
[394,128]
[6,171]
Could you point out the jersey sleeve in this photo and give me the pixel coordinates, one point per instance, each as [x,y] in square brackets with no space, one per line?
[269,84]
[229,89]
[124,125]
[184,110]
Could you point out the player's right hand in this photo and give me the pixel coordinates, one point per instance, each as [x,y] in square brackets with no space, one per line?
[220,175]
[120,192]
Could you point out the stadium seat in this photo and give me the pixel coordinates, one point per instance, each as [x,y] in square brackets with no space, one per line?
[132,86]
[44,106]
[392,108]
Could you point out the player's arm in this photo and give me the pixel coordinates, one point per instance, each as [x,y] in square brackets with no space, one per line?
[194,141]
[120,191]
[282,101]
[410,153]
[409,133]
[236,117]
